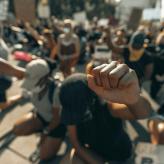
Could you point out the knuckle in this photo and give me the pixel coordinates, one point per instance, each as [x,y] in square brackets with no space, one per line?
[113,63]
[95,71]
[103,73]
[113,77]
[125,66]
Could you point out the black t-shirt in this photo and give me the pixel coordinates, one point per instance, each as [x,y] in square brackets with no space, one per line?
[159,62]
[140,65]
[97,128]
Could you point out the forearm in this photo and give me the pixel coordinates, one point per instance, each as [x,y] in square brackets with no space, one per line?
[141,109]
[7,69]
[53,53]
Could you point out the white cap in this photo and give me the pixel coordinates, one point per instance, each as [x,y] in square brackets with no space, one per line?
[35,70]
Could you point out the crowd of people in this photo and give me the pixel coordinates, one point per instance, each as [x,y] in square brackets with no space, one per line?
[87,106]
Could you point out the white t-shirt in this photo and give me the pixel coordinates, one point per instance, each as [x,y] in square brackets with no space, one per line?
[44,107]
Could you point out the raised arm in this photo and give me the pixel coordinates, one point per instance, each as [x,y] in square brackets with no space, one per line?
[111,45]
[33,32]
[118,84]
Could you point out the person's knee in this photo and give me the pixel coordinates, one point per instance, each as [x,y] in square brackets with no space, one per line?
[71,158]
[49,148]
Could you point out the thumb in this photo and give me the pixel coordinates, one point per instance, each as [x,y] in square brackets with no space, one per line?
[91,82]
[92,85]
[109,95]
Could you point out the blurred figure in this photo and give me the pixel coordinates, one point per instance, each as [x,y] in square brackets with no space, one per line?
[119,40]
[158,72]
[50,45]
[120,37]
[45,119]
[5,80]
[135,55]
[68,48]
[7,69]
[156,128]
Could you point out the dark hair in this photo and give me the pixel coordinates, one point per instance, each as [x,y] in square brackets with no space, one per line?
[75,93]
[137,40]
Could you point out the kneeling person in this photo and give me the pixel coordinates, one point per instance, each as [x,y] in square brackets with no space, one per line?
[45,118]
[93,110]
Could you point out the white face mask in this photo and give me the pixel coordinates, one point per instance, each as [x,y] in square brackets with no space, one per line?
[66,30]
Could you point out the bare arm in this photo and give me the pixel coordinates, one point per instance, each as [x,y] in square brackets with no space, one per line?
[8,69]
[118,84]
[33,32]
[139,110]
[54,52]
[111,45]
[59,47]
[77,45]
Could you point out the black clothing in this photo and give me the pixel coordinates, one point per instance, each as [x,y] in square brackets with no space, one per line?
[140,65]
[95,125]
[58,132]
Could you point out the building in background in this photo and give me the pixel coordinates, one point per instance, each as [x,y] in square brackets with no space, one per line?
[128,10]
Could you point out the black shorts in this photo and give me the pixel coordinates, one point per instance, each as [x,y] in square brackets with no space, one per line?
[58,132]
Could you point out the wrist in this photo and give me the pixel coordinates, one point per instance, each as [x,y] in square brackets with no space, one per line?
[134,103]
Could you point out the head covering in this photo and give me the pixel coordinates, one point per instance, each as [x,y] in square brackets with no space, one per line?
[35,70]
[137,40]
[75,97]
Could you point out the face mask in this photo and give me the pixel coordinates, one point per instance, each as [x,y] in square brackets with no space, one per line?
[66,30]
